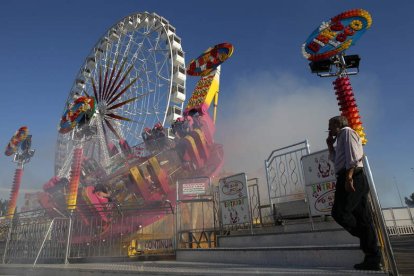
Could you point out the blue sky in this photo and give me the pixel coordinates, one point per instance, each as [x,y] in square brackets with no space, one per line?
[268,99]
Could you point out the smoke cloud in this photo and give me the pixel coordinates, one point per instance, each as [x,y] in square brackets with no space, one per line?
[265,111]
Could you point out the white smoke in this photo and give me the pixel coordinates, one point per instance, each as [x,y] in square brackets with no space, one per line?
[268,111]
[265,111]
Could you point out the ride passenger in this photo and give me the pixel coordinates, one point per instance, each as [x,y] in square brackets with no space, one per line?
[101,191]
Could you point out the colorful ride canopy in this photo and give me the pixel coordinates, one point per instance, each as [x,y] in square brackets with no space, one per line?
[210,59]
[79,111]
[336,35]
[17,140]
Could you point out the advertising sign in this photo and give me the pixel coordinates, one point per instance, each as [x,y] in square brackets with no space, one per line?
[234,200]
[320,182]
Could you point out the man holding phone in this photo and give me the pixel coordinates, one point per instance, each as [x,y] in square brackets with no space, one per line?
[350,209]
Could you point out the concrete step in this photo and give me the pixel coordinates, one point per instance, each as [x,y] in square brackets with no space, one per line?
[296,225]
[318,237]
[339,256]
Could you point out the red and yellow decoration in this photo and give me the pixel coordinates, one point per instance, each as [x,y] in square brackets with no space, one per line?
[14,194]
[76,112]
[210,59]
[17,139]
[348,106]
[21,139]
[74,178]
[204,92]
[336,35]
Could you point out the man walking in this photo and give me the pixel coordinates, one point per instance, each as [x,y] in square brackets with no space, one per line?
[350,209]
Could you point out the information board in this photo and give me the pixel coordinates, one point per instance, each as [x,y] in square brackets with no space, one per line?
[320,182]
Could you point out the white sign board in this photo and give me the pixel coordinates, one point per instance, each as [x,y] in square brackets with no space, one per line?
[320,182]
[234,200]
[194,188]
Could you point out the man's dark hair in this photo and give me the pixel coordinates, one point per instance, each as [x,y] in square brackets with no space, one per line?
[341,121]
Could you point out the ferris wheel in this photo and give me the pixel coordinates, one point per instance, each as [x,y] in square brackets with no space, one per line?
[134,77]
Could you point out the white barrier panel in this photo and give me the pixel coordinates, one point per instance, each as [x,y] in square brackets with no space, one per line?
[320,182]
[234,200]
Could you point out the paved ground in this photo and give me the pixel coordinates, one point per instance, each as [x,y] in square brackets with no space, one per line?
[168,268]
[403,247]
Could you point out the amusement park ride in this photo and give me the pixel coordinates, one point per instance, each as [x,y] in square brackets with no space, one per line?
[19,146]
[325,48]
[125,136]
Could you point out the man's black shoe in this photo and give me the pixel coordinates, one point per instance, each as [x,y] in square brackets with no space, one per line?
[367,266]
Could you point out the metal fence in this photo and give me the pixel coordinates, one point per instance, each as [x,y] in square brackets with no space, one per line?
[114,231]
[399,220]
[196,213]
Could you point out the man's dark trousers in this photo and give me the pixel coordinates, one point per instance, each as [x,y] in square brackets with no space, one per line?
[351,211]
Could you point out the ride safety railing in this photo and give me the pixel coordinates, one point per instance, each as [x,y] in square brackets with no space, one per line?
[254,202]
[196,213]
[379,222]
[31,236]
[284,176]
[109,230]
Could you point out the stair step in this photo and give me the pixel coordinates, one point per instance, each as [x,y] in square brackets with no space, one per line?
[318,237]
[296,225]
[343,256]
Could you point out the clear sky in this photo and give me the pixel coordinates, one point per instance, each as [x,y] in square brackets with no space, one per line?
[268,98]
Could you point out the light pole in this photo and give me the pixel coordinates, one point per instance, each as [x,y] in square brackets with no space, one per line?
[398,190]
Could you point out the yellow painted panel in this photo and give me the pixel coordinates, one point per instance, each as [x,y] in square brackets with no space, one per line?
[139,180]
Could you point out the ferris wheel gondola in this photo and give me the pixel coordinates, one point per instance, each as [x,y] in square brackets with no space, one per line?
[130,80]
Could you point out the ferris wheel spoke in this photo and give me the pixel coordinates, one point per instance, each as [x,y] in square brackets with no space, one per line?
[161,68]
[110,90]
[105,79]
[110,126]
[100,83]
[122,103]
[106,91]
[86,93]
[113,92]
[139,53]
[118,117]
[94,90]
[128,46]
[88,149]
[125,52]
[115,61]
[122,91]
